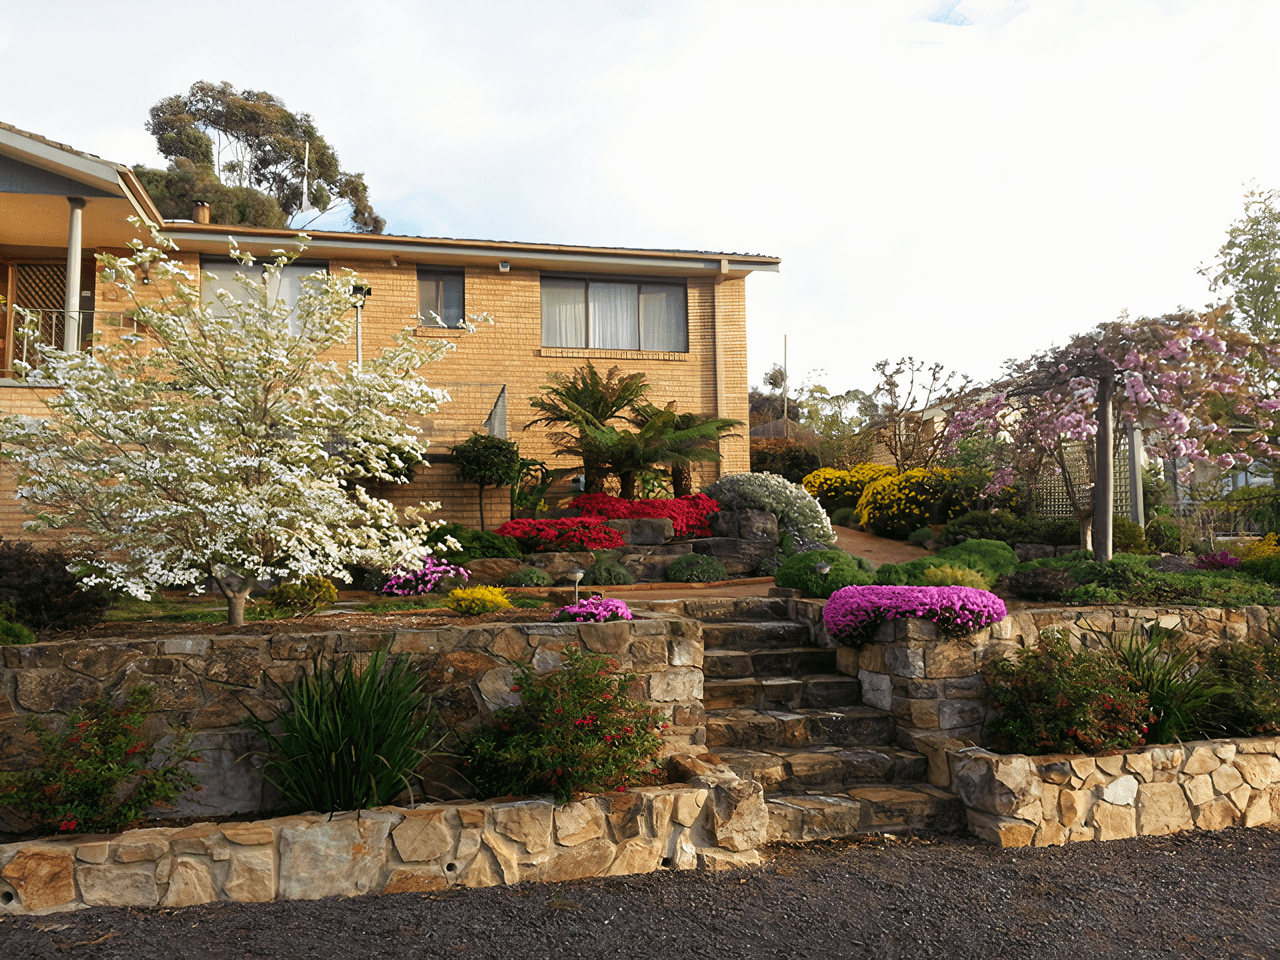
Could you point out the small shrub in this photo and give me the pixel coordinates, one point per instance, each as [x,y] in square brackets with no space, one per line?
[594,610]
[475,601]
[893,506]
[98,771]
[1128,536]
[799,573]
[695,568]
[459,544]
[1264,568]
[993,558]
[845,517]
[42,593]
[15,633]
[1053,699]
[349,740]
[607,572]
[1264,549]
[852,614]
[787,458]
[432,573]
[948,576]
[1221,560]
[1251,707]
[527,577]
[921,537]
[1164,535]
[574,730]
[802,524]
[303,596]
[839,489]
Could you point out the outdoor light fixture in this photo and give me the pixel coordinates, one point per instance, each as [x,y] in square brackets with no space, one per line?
[822,568]
[576,575]
[503,266]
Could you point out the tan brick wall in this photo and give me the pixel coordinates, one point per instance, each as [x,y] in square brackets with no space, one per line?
[476,366]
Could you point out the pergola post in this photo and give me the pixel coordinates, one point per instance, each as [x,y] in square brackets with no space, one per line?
[71,302]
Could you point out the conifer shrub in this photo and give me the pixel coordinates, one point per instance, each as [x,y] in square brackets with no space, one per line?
[800,572]
[527,577]
[607,572]
[696,568]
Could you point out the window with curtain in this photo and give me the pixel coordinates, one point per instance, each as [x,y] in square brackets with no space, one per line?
[440,294]
[615,314]
[287,286]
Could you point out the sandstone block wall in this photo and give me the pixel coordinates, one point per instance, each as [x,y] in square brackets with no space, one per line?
[713,823]
[211,682]
[1017,801]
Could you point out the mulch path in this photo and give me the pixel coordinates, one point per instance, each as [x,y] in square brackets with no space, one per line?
[1208,896]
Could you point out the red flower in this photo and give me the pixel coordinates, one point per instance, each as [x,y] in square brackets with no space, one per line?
[68,824]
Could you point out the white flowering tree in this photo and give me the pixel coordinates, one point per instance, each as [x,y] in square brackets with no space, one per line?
[219,443]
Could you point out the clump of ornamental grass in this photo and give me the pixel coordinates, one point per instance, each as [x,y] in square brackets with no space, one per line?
[99,770]
[575,730]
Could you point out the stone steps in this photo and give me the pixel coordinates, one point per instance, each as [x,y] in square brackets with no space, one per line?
[824,769]
[727,664]
[820,690]
[749,729]
[867,809]
[766,635]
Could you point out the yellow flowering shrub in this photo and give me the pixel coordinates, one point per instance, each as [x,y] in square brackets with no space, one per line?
[898,505]
[843,488]
[474,601]
[1264,549]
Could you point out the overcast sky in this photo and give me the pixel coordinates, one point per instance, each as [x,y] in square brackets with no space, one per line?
[962,180]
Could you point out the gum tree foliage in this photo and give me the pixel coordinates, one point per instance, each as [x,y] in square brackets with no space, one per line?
[267,145]
[1248,265]
[219,443]
[1192,382]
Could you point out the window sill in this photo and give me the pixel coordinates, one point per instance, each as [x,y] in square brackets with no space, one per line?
[433,333]
[596,352]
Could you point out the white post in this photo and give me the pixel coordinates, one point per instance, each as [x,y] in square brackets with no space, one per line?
[71,302]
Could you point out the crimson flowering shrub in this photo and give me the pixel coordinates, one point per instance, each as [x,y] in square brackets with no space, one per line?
[689,515]
[594,610]
[566,533]
[853,613]
[1217,561]
[1057,700]
[98,771]
[574,730]
[413,583]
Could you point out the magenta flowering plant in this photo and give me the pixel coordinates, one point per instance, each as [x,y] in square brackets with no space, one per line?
[853,613]
[412,583]
[1217,561]
[594,610]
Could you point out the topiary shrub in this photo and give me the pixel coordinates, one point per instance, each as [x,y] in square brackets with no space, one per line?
[527,577]
[475,601]
[302,596]
[42,594]
[487,461]
[695,568]
[802,524]
[800,573]
[607,572]
[845,517]
[949,576]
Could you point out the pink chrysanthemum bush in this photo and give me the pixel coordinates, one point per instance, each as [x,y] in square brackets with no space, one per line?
[853,613]
[594,610]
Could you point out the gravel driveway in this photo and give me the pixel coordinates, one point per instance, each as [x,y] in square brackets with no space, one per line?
[1196,896]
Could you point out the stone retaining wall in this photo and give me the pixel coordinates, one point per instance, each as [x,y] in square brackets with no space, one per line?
[933,684]
[715,822]
[1017,801]
[210,683]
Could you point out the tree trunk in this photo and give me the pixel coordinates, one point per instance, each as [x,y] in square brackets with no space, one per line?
[236,589]
[627,481]
[681,480]
[1104,487]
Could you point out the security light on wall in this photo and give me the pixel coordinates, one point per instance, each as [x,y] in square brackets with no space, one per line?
[503,266]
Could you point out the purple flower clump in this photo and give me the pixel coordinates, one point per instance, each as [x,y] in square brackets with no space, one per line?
[853,613]
[413,583]
[595,610]
[1217,561]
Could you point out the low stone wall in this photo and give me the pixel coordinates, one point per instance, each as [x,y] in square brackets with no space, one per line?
[210,683]
[715,822]
[933,684]
[1017,801]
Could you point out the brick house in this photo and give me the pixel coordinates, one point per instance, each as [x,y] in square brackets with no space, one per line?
[678,316]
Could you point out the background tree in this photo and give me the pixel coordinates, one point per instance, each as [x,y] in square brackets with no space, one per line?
[1248,265]
[219,445]
[487,461]
[911,400]
[267,145]
[176,190]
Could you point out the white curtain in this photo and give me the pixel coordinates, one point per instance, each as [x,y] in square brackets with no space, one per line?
[664,323]
[452,300]
[564,313]
[615,316]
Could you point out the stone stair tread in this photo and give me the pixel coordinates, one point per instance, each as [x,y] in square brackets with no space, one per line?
[881,809]
[825,769]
